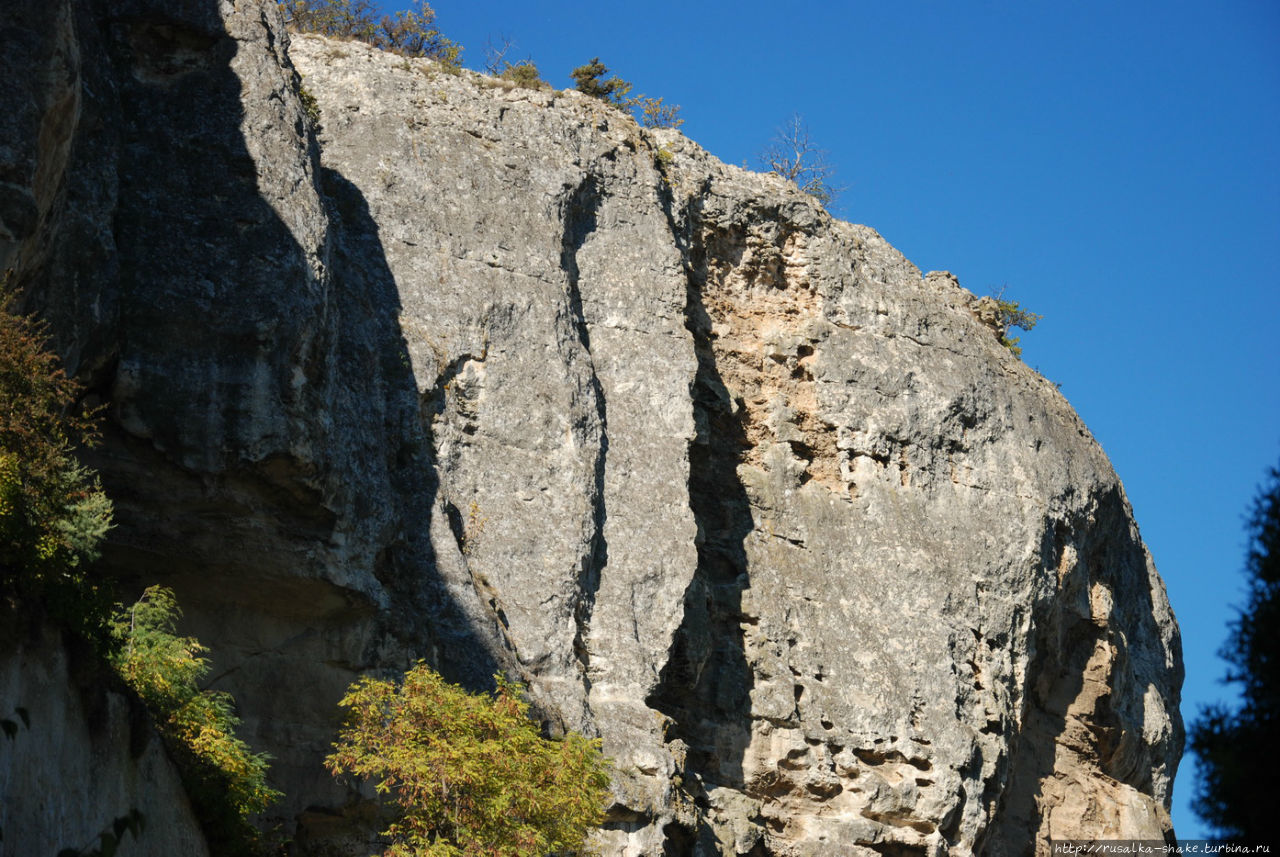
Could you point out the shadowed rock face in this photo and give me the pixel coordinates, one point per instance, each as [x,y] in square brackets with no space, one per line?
[496,378]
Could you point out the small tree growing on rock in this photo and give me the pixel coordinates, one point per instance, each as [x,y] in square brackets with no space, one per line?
[226,780]
[469,772]
[590,80]
[793,155]
[1010,314]
[655,114]
[649,112]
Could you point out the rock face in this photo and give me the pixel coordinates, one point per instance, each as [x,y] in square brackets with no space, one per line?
[82,755]
[495,377]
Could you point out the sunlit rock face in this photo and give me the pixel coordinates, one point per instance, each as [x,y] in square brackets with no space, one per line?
[496,378]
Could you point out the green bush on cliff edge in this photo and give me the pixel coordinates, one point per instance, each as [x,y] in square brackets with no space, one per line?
[410,33]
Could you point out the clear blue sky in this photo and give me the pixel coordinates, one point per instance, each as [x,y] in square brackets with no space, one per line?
[1117,164]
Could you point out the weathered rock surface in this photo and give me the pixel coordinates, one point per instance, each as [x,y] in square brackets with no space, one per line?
[494,377]
[83,754]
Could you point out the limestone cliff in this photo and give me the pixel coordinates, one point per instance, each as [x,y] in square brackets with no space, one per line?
[495,377]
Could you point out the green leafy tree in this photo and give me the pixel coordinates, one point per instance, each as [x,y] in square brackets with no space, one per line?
[1010,314]
[470,773]
[410,32]
[225,779]
[53,513]
[793,155]
[1237,748]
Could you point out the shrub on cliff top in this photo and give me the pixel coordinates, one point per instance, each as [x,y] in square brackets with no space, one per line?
[469,772]
[650,112]
[410,33]
[590,80]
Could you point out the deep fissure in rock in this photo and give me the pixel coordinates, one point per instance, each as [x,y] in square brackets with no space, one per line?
[579,222]
[706,684]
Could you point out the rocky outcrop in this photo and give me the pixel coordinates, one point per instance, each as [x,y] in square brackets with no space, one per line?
[494,377]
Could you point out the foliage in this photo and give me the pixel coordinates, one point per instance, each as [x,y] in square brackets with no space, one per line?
[650,112]
[225,779]
[655,114]
[53,513]
[310,107]
[470,773]
[793,155]
[590,81]
[410,33]
[1010,314]
[1236,747]
[523,74]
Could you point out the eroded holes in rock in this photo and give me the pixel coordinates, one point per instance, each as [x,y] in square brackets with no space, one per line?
[678,840]
[766,322]
[897,849]
[877,757]
[823,789]
[769,784]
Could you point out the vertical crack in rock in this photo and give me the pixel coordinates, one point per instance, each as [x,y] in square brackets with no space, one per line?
[705,686]
[579,219]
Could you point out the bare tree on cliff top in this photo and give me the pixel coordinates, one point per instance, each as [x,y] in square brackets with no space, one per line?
[793,155]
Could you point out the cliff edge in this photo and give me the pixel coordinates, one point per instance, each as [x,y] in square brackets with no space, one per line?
[495,377]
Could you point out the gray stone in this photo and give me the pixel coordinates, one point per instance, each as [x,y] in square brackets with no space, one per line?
[82,755]
[497,378]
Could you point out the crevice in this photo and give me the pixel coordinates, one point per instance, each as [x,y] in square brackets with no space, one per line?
[580,221]
[706,683]
[455,526]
